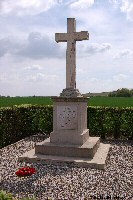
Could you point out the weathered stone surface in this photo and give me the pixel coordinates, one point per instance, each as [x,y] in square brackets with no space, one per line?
[69,121]
[70,109]
[98,161]
[71,37]
[70,92]
[87,150]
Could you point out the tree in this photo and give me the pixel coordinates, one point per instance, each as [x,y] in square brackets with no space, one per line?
[124,92]
[131,92]
[112,94]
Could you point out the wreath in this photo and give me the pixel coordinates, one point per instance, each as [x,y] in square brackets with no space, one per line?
[25,171]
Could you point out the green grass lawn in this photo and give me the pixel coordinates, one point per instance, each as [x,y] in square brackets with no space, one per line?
[111,101]
[93,101]
[10,101]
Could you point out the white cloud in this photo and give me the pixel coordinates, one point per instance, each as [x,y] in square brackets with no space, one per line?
[101,85]
[28,49]
[30,7]
[41,77]
[10,45]
[120,77]
[80,71]
[81,4]
[94,48]
[115,3]
[39,46]
[33,67]
[3,77]
[125,6]
[4,45]
[6,77]
[123,53]
[36,46]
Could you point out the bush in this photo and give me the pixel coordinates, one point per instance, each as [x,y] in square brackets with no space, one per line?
[5,196]
[19,122]
[124,92]
[111,122]
[8,196]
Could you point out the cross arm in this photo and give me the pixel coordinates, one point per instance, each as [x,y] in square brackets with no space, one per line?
[61,37]
[83,35]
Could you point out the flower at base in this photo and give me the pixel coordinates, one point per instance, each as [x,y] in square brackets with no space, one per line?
[25,171]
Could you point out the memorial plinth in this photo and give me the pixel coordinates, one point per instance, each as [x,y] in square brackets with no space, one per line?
[70,136]
[86,150]
[69,121]
[69,141]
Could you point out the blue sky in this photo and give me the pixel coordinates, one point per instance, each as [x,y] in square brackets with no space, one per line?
[32,63]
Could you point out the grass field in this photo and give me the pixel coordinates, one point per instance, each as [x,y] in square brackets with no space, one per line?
[93,101]
[10,101]
[112,101]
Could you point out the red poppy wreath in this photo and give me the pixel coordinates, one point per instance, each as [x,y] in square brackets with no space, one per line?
[25,171]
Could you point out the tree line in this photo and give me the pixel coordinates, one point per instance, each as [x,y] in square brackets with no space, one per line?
[124,92]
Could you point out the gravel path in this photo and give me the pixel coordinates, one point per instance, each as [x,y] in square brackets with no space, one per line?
[69,181]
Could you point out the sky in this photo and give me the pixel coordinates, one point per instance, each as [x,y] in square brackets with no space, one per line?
[32,63]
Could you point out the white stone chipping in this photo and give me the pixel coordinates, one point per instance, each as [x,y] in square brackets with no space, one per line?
[68,181]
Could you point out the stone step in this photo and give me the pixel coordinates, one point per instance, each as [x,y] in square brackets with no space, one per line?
[97,162]
[87,150]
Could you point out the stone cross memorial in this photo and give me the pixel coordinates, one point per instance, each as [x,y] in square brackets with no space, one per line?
[71,37]
[70,112]
[70,141]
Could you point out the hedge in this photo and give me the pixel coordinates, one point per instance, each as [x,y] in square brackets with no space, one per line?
[18,122]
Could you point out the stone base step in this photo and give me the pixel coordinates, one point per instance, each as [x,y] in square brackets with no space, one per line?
[98,161]
[87,150]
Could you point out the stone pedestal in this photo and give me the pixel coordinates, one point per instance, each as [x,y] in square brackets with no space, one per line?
[87,150]
[69,142]
[69,121]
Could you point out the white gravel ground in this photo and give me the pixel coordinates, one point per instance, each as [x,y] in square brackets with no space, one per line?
[69,181]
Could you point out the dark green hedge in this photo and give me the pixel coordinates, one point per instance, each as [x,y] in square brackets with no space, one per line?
[18,122]
[116,123]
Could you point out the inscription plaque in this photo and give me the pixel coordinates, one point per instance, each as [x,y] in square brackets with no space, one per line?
[67,117]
